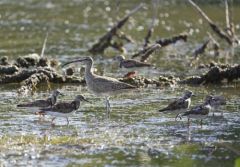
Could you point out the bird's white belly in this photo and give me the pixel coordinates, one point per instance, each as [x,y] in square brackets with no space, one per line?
[58,114]
[31,109]
[197,116]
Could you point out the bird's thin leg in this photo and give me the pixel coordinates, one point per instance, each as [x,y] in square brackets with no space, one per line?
[53,120]
[213,114]
[178,116]
[189,122]
[67,121]
[201,123]
[108,107]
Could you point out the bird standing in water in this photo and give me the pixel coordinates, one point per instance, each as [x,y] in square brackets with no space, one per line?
[101,85]
[35,105]
[180,105]
[216,102]
[199,112]
[63,109]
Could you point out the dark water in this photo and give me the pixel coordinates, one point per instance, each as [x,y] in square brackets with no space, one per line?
[135,135]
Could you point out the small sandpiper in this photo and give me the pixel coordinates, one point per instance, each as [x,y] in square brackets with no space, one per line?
[35,105]
[130,63]
[63,109]
[216,102]
[180,105]
[199,112]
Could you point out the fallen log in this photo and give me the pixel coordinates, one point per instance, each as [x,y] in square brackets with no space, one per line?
[215,75]
[162,43]
[167,41]
[9,69]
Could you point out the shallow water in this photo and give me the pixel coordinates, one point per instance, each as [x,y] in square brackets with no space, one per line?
[135,134]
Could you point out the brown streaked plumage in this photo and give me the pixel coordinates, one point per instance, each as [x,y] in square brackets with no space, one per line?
[101,85]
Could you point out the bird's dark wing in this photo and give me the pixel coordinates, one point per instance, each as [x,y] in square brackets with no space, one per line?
[133,63]
[37,103]
[60,107]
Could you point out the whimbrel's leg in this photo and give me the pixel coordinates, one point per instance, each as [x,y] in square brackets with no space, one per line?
[201,123]
[108,107]
[67,121]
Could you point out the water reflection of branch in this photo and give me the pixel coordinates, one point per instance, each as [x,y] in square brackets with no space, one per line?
[227,146]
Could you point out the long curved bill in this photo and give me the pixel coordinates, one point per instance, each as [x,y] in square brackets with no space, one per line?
[74,61]
[61,94]
[86,100]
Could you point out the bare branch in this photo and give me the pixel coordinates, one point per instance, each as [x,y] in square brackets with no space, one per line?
[44,45]
[214,27]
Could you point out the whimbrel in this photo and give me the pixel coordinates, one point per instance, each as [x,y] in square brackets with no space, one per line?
[101,85]
[42,103]
[216,102]
[199,112]
[179,105]
[63,109]
[130,63]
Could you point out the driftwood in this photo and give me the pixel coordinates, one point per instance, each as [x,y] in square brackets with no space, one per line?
[31,83]
[145,82]
[147,51]
[30,78]
[151,26]
[167,41]
[148,36]
[121,35]
[216,45]
[17,77]
[213,26]
[4,61]
[9,69]
[215,75]
[105,41]
[27,61]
